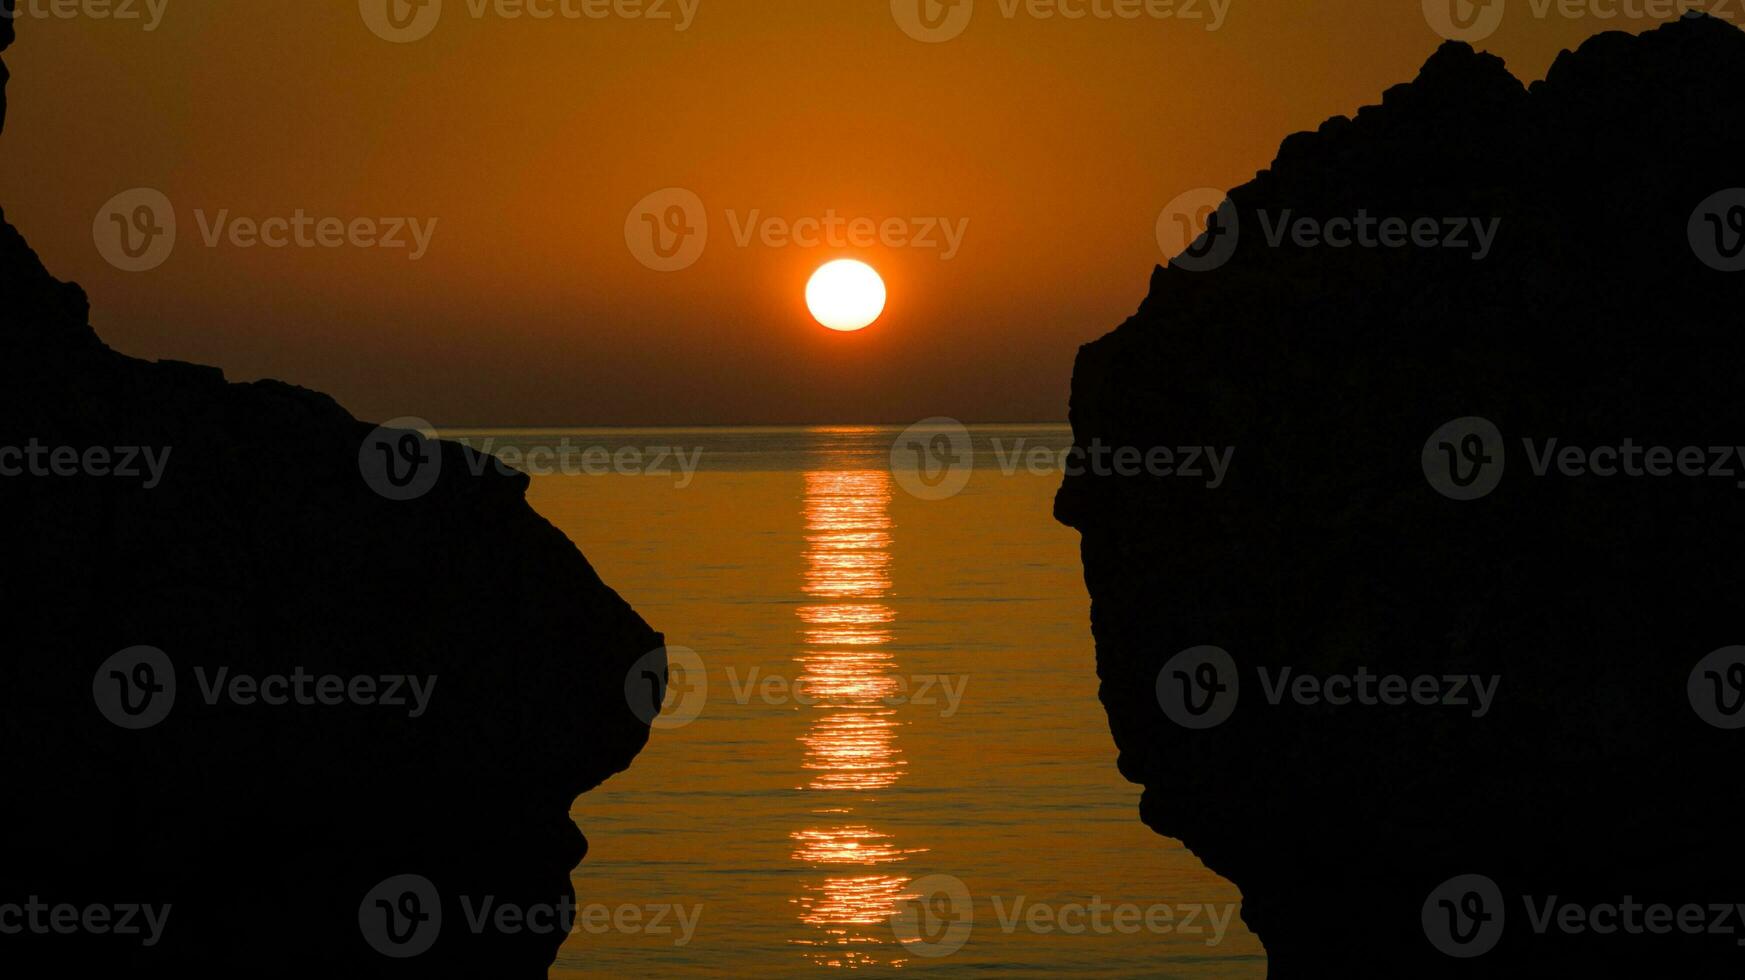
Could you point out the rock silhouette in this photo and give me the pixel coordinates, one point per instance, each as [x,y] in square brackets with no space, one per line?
[266,829]
[1594,319]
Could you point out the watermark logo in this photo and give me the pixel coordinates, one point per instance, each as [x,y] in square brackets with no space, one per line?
[668,230]
[1207,464]
[1364,230]
[564,916]
[404,21]
[837,231]
[1717,688]
[944,691]
[1464,20]
[401,460]
[305,231]
[43,918]
[304,689]
[148,13]
[1198,687]
[1463,916]
[667,687]
[401,917]
[1100,918]
[933,21]
[1632,917]
[136,688]
[1717,230]
[566,458]
[1463,460]
[936,918]
[401,21]
[36,459]
[933,459]
[1198,231]
[135,231]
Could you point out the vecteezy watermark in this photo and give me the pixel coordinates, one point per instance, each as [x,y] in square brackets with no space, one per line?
[120,462]
[942,691]
[1210,464]
[410,692]
[668,230]
[1198,688]
[1198,231]
[935,458]
[402,917]
[1717,230]
[1364,230]
[937,21]
[405,21]
[1465,915]
[42,918]
[300,230]
[1465,458]
[837,231]
[401,460]
[568,458]
[937,916]
[136,688]
[1097,917]
[148,14]
[1474,20]
[135,231]
[1716,688]
[567,917]
[669,688]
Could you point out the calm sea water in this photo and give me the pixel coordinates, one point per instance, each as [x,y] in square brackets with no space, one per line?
[883,750]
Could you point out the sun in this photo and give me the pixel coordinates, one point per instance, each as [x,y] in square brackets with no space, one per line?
[845,295]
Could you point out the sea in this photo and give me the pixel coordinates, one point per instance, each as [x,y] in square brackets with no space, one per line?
[880,749]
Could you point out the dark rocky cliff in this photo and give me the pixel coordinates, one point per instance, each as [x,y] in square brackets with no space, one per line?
[263,551]
[1593,320]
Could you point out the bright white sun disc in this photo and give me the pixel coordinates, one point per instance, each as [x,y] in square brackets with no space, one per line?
[846,295]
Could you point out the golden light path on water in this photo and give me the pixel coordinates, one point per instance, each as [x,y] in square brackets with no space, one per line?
[850,746]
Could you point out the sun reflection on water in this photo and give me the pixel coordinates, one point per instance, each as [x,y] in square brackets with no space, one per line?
[851,742]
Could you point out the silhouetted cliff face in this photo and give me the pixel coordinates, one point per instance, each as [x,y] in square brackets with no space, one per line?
[1590,598]
[261,551]
[6,38]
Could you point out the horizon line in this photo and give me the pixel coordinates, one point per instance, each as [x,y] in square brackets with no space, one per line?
[738,425]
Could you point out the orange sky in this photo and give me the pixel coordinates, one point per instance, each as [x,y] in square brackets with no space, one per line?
[529,140]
